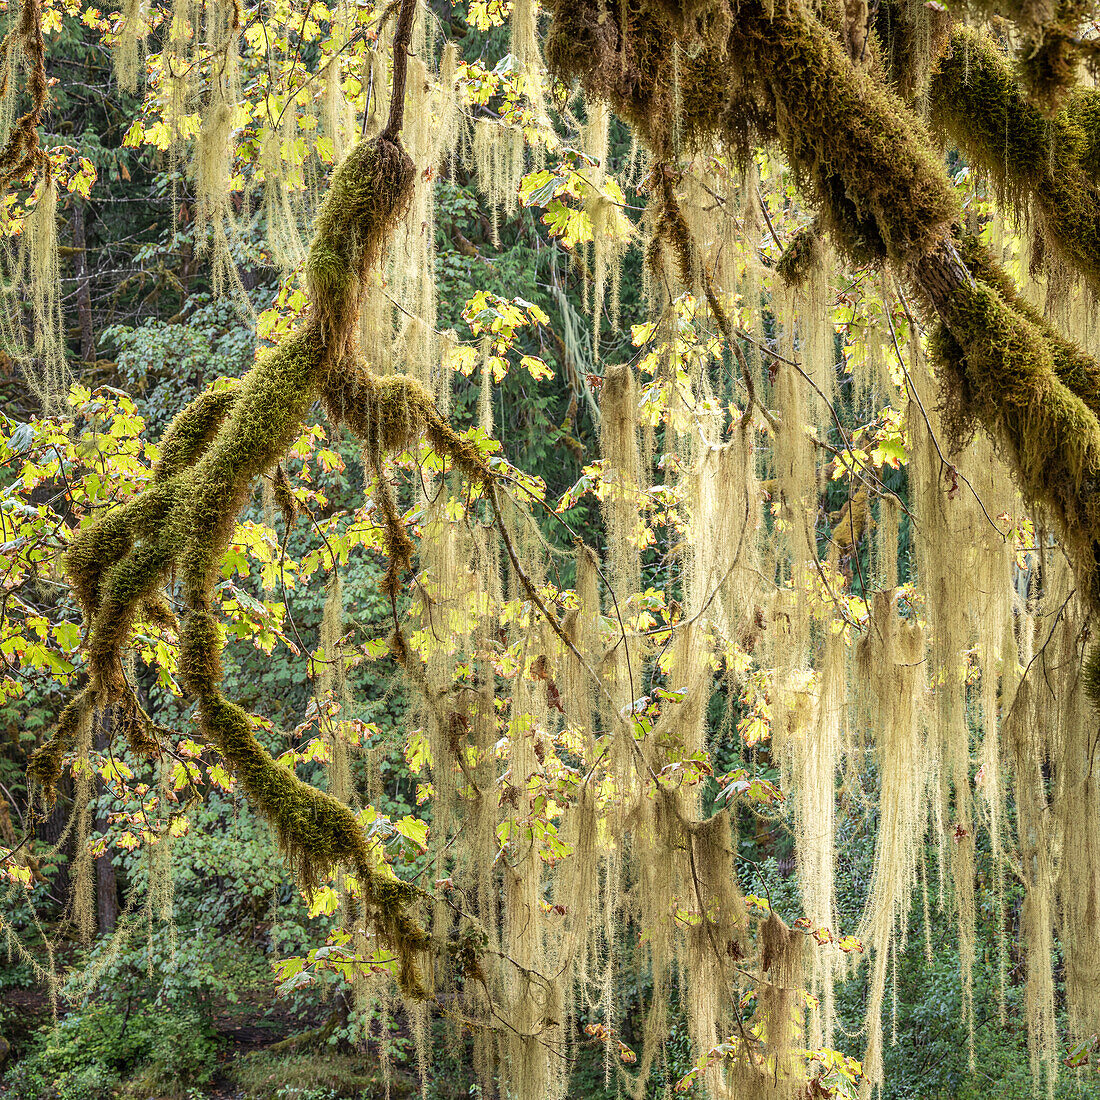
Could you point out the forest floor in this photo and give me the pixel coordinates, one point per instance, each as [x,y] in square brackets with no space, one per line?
[247,1067]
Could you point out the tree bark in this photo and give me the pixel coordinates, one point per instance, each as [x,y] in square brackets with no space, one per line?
[83,283]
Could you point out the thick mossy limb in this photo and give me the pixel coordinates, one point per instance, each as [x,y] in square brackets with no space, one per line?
[95,549]
[1076,370]
[865,156]
[697,22]
[193,429]
[108,541]
[911,35]
[369,193]
[1049,65]
[154,610]
[126,586]
[781,75]
[1050,45]
[211,455]
[316,831]
[977,103]
[266,417]
[370,190]
[388,415]
[998,370]
[884,194]
[99,565]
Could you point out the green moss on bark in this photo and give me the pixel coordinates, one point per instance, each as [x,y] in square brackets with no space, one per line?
[315,831]
[266,417]
[1091,674]
[977,104]
[779,77]
[193,429]
[1074,368]
[998,370]
[210,456]
[801,257]
[369,193]
[45,767]
[882,191]
[389,414]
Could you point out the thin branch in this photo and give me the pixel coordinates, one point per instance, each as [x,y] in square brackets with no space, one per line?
[928,423]
[401,38]
[768,219]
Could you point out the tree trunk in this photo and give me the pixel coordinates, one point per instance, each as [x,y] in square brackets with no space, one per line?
[83,283]
[10,837]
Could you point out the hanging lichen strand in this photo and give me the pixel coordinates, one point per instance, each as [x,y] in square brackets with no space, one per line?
[431,133]
[29,275]
[215,227]
[890,665]
[635,843]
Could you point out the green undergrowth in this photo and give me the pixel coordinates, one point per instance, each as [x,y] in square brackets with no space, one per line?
[324,1074]
[112,1050]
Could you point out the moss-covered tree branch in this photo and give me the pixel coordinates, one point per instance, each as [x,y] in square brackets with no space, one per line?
[999,369]
[1048,161]
[1050,45]
[182,523]
[211,455]
[781,77]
